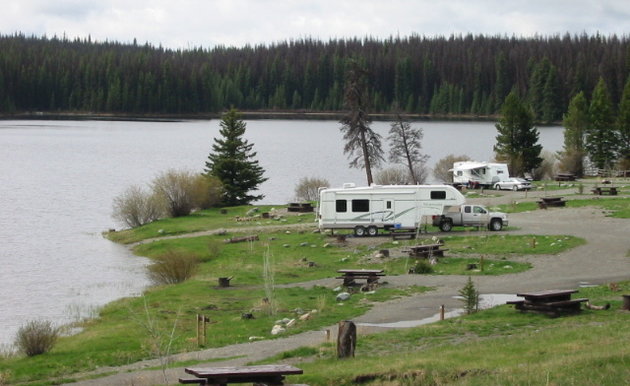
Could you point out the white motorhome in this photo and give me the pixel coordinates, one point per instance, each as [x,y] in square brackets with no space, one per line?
[368,209]
[479,174]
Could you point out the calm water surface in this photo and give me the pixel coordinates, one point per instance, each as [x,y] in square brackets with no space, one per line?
[58,180]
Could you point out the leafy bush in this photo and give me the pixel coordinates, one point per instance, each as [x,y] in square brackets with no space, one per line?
[36,337]
[172,267]
[422,266]
[308,188]
[136,207]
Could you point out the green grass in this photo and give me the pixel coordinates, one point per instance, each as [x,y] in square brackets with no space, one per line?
[496,346]
[618,206]
[210,219]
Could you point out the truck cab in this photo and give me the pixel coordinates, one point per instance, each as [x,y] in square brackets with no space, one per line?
[470,215]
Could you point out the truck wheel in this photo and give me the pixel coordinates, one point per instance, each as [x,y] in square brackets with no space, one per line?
[515,188]
[372,231]
[446,226]
[359,231]
[496,224]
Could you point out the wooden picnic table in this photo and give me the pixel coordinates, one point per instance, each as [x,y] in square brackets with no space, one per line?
[599,190]
[427,250]
[303,207]
[261,374]
[350,275]
[565,177]
[551,302]
[551,201]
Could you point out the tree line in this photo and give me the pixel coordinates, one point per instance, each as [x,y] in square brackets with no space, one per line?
[456,75]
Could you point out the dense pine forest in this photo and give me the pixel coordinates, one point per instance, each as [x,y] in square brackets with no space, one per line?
[457,75]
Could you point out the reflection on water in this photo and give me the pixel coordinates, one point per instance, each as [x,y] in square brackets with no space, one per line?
[58,180]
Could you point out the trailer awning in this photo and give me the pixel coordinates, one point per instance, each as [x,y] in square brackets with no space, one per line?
[470,166]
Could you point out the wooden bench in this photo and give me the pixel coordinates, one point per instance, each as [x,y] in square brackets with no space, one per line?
[261,374]
[546,202]
[350,276]
[302,207]
[550,302]
[427,250]
[403,235]
[600,190]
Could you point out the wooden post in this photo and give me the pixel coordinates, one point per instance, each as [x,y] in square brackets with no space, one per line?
[198,331]
[346,339]
[225,281]
[626,302]
[442,312]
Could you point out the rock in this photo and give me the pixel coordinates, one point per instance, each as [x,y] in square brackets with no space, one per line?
[326,245]
[337,289]
[160,231]
[344,259]
[305,316]
[299,311]
[253,338]
[312,264]
[247,315]
[343,296]
[251,212]
[277,329]
[304,244]
[286,245]
[291,323]
[287,232]
[285,321]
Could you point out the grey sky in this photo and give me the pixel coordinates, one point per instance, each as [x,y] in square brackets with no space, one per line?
[195,23]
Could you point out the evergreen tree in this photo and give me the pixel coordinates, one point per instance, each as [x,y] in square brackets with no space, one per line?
[517,141]
[405,144]
[601,137]
[363,145]
[551,110]
[575,123]
[232,162]
[623,127]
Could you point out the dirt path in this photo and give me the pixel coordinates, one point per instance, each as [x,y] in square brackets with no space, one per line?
[601,260]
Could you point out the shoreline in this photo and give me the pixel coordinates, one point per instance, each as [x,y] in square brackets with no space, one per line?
[250,115]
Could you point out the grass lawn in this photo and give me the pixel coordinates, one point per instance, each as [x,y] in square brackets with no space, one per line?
[619,206]
[497,346]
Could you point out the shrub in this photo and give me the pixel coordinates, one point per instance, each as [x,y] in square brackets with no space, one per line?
[308,188]
[441,169]
[136,207]
[547,168]
[36,337]
[393,176]
[422,266]
[182,191]
[172,267]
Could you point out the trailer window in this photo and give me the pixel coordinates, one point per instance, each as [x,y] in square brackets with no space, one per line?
[360,205]
[438,194]
[341,205]
[389,205]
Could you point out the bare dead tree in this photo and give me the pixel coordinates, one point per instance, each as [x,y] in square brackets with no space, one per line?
[406,146]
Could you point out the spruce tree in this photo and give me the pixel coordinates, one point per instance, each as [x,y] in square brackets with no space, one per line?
[601,136]
[623,127]
[575,123]
[517,141]
[232,162]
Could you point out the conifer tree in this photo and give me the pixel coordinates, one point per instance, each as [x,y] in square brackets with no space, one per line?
[575,123]
[601,137]
[363,145]
[517,141]
[623,127]
[232,162]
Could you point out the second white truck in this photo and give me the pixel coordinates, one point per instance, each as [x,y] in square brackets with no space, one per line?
[470,215]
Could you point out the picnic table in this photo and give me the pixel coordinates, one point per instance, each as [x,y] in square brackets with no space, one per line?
[551,302]
[599,190]
[427,250]
[546,202]
[565,177]
[350,275]
[303,207]
[261,374]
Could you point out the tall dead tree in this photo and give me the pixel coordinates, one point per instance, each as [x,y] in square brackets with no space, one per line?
[363,145]
[405,146]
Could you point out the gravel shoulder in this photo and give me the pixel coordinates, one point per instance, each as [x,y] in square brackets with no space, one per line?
[602,259]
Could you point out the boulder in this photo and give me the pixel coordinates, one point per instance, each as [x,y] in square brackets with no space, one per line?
[343,296]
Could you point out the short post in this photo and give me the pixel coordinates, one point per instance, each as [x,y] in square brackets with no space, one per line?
[224,281]
[442,312]
[626,303]
[201,329]
[346,339]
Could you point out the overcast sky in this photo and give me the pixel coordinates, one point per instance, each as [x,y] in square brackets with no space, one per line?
[197,23]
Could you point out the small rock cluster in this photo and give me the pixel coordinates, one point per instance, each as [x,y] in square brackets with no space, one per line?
[282,325]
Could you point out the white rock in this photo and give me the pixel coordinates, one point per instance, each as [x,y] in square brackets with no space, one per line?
[291,323]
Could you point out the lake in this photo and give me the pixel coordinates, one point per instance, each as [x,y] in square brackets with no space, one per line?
[58,180]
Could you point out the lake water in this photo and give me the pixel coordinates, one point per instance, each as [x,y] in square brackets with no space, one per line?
[58,180]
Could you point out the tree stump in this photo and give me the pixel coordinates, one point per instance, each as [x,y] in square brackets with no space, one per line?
[626,303]
[225,281]
[384,252]
[346,339]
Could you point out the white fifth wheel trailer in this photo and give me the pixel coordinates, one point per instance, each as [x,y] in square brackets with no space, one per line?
[368,209]
[479,174]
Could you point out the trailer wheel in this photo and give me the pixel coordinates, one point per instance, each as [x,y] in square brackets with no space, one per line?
[496,224]
[372,231]
[446,226]
[359,231]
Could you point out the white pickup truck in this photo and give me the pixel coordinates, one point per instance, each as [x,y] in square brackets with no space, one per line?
[470,215]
